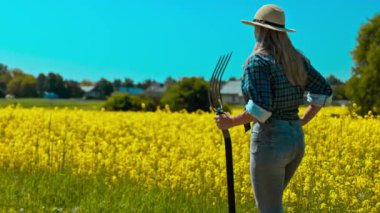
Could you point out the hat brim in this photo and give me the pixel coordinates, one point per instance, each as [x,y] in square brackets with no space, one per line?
[268,26]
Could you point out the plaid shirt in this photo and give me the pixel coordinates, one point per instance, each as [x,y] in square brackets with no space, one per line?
[269,94]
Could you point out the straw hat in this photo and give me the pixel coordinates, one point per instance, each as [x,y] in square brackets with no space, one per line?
[270,16]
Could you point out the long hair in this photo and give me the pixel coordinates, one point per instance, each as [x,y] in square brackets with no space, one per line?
[278,45]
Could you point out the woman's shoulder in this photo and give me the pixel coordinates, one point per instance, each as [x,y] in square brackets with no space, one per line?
[258,60]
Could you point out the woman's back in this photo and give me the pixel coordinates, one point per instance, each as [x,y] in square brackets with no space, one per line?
[265,83]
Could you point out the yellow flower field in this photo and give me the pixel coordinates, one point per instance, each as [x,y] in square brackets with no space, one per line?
[340,171]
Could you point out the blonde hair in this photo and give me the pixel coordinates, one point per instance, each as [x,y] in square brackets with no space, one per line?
[278,45]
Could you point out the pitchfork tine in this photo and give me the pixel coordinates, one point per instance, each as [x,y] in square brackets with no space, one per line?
[214,83]
[218,82]
[211,93]
[220,100]
[210,83]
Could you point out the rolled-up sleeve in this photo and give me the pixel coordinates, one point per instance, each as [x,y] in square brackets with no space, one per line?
[319,92]
[256,85]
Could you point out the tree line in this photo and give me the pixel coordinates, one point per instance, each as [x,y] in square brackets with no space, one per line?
[364,85]
[19,84]
[188,93]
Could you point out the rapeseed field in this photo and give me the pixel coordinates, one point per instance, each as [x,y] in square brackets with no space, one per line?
[174,152]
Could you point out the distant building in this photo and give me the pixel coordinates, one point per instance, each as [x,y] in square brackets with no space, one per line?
[131,90]
[50,95]
[91,93]
[231,92]
[87,88]
[9,96]
[156,88]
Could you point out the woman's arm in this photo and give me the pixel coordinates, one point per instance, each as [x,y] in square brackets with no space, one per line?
[226,121]
[310,112]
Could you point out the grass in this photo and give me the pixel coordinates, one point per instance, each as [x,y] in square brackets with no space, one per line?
[52,103]
[63,192]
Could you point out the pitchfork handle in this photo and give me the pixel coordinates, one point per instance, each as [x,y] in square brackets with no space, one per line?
[230,169]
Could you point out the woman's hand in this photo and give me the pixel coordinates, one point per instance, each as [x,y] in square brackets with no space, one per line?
[224,121]
[310,112]
[303,121]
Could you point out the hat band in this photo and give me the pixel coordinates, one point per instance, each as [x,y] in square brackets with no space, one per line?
[268,22]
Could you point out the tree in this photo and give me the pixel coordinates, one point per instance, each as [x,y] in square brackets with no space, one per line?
[124,102]
[104,87]
[169,81]
[332,80]
[14,87]
[17,72]
[5,77]
[41,84]
[128,82]
[73,89]
[22,86]
[118,102]
[117,84]
[338,87]
[189,93]
[363,86]
[3,88]
[146,83]
[3,68]
[54,83]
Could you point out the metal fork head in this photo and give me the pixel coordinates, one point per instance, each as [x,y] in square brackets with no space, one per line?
[215,98]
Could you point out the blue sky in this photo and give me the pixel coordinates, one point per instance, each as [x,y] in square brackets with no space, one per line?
[150,39]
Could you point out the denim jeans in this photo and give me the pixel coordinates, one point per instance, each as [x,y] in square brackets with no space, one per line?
[277,148]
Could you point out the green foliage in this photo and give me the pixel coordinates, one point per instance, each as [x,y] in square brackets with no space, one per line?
[118,102]
[332,80]
[104,87]
[73,89]
[143,103]
[41,86]
[22,85]
[189,93]
[169,81]
[128,83]
[339,92]
[54,83]
[363,87]
[117,84]
[5,77]
[338,88]
[147,83]
[124,102]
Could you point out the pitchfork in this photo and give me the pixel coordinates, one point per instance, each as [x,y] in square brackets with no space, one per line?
[216,104]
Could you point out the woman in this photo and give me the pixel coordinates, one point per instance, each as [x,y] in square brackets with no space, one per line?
[275,78]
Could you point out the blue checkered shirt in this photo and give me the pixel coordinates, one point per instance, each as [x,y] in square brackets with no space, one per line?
[269,95]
